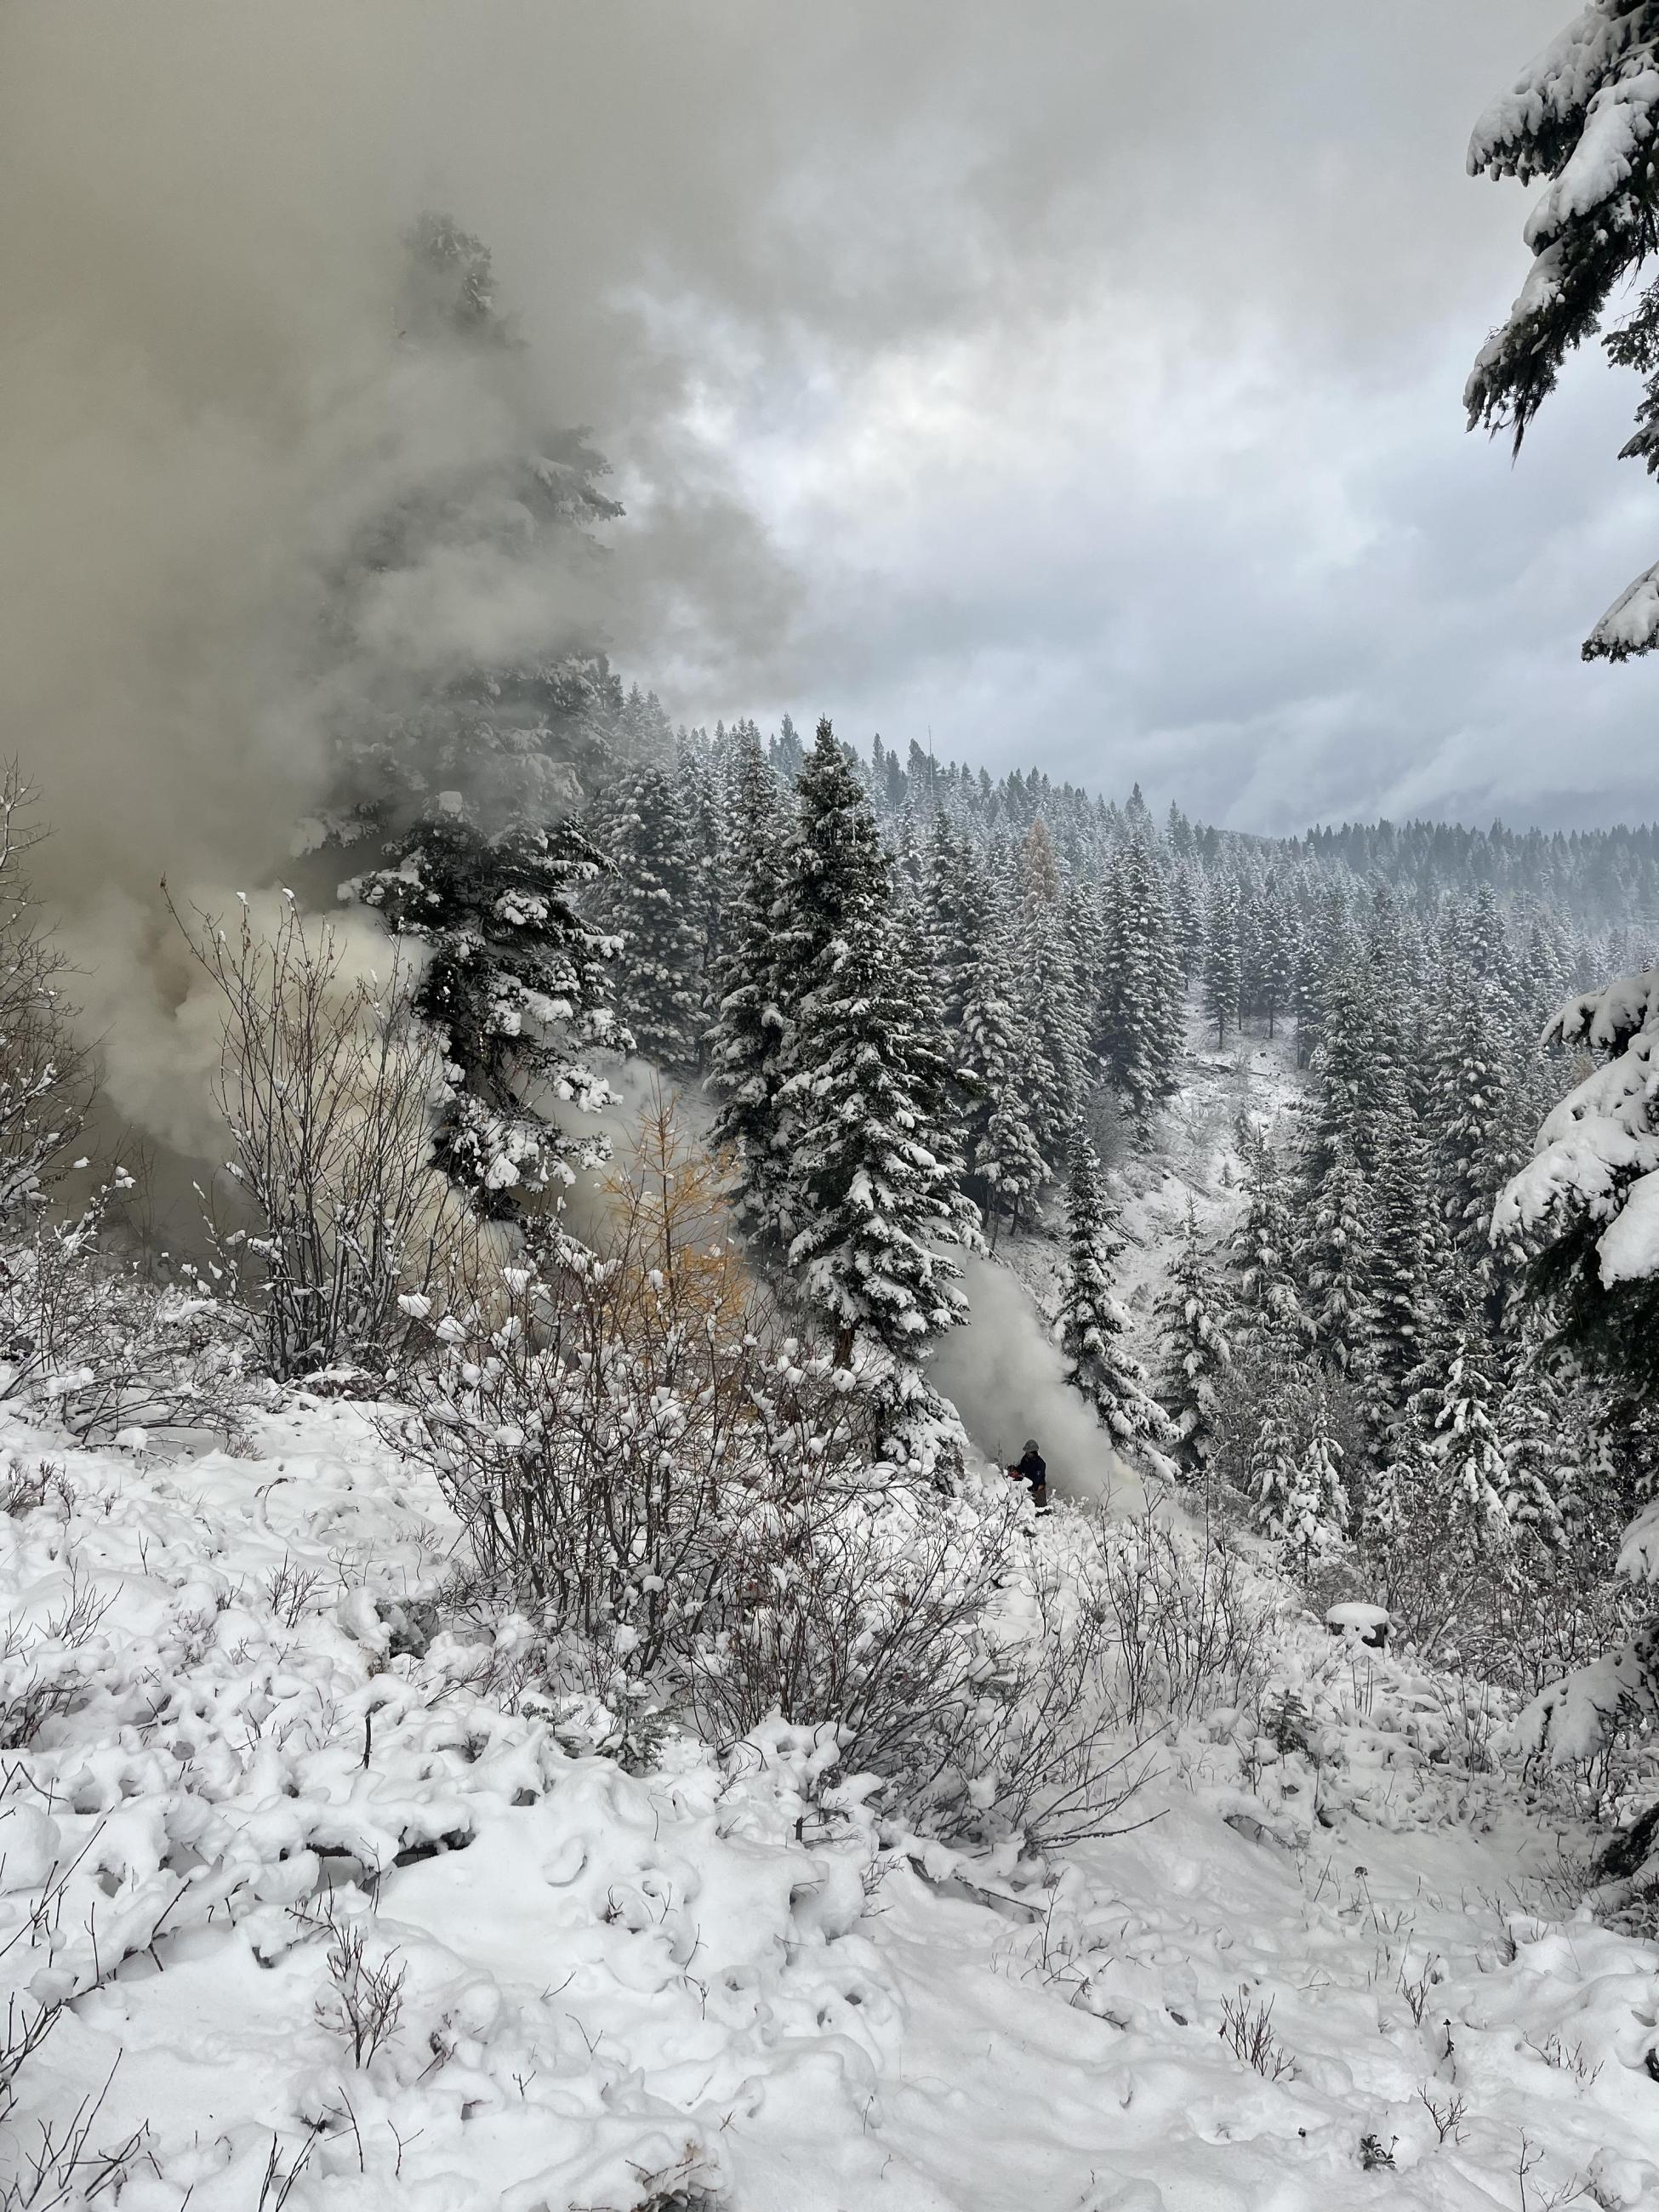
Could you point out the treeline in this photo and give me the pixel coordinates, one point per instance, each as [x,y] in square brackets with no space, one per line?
[909,1026]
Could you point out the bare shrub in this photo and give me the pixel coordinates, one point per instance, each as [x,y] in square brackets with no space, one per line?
[1448,2115]
[1191,1635]
[59,2170]
[40,1669]
[1247,2029]
[596,1416]
[366,1999]
[327,1082]
[289,1589]
[967,1674]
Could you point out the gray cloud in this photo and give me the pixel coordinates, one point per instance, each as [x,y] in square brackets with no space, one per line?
[1079,381]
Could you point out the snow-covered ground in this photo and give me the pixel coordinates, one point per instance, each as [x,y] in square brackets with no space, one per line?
[256,1818]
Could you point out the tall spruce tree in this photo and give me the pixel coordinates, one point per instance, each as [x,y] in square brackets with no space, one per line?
[1094,1327]
[1316,1509]
[1054,1073]
[1003,1155]
[650,901]
[874,1191]
[1270,1469]
[747,1035]
[1464,1403]
[1335,1263]
[1196,1350]
[1223,969]
[1266,1308]
[1138,1012]
[517,988]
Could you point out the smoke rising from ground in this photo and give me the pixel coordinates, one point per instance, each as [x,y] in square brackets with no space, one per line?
[1003,1373]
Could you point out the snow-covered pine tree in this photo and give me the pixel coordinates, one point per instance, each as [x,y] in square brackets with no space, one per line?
[1464,1448]
[746,1037]
[1278,940]
[1223,977]
[1137,1019]
[1266,1306]
[1196,1352]
[1053,1020]
[1334,1263]
[1535,1440]
[517,987]
[1271,1473]
[1316,1512]
[702,777]
[1093,1326]
[1187,906]
[786,753]
[958,902]
[872,1185]
[1327,949]
[648,902]
[1003,1155]
[1474,1115]
[1402,1312]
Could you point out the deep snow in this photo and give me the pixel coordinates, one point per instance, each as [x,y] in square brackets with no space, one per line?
[614,1984]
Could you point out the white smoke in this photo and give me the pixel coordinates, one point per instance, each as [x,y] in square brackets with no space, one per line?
[1003,1375]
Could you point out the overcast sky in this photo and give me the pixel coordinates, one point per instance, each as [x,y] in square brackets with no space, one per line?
[1077,381]
[1166,476]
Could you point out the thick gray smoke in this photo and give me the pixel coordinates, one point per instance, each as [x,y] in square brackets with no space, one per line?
[1003,1374]
[730,214]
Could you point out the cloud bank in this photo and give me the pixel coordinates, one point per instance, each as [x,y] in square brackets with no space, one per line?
[1077,386]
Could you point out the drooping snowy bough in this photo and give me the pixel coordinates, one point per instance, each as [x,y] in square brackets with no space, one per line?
[1583,116]
[1586,1203]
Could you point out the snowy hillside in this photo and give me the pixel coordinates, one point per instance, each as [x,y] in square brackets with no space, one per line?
[305,1897]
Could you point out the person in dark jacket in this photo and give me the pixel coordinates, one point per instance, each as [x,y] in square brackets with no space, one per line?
[1034,1468]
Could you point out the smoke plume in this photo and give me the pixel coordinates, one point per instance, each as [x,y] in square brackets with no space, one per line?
[1003,1373]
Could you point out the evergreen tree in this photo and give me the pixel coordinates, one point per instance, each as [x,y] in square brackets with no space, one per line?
[1222,972]
[1316,1512]
[649,903]
[1094,1327]
[1266,1304]
[1464,1447]
[787,752]
[1054,1076]
[1533,1440]
[1277,935]
[746,1039]
[1588,106]
[872,1188]
[959,908]
[517,987]
[1474,1115]
[1196,1352]
[701,779]
[1003,1153]
[1335,1263]
[1138,1015]
[1271,1473]
[1400,1270]
[1188,907]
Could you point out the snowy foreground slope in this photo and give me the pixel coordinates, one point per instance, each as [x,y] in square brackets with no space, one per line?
[312,1918]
